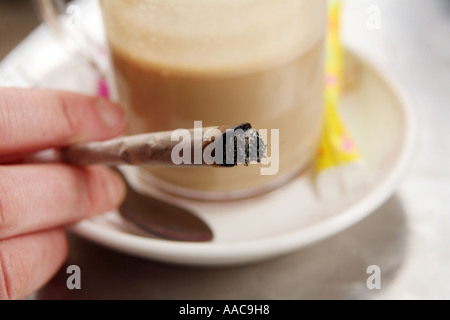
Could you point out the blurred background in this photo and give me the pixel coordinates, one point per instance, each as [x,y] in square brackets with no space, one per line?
[411,38]
[17,19]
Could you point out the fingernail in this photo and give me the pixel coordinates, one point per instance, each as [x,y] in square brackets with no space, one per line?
[111,115]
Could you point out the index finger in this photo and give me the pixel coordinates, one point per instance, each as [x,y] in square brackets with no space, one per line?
[36,119]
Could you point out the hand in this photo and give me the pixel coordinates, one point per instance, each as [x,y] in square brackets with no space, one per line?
[37,200]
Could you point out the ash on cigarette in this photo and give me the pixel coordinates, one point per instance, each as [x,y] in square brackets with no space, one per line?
[242,145]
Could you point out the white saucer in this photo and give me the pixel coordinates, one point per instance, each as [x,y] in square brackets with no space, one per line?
[376,112]
[292,216]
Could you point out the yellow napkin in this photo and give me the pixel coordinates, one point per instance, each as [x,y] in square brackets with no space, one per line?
[339,166]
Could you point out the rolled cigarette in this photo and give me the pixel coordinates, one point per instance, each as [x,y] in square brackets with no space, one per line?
[224,146]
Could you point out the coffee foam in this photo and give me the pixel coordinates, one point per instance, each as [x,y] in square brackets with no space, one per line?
[213,36]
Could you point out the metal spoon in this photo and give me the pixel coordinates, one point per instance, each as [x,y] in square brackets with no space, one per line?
[163,219]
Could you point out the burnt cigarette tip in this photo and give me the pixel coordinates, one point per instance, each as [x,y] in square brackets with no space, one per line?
[242,145]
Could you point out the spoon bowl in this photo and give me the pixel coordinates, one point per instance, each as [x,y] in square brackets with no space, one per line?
[162,219]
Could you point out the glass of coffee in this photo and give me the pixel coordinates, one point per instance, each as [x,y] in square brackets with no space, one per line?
[180,62]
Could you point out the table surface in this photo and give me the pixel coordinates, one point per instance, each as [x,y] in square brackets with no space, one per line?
[407,237]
